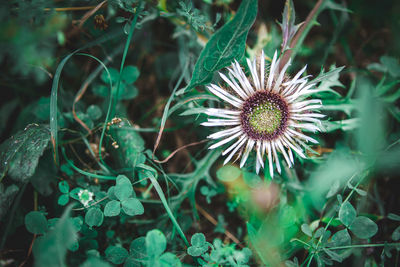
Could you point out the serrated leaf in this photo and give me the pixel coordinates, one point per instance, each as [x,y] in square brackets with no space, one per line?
[225,45]
[363,227]
[36,222]
[287,25]
[347,214]
[116,255]
[112,208]
[132,206]
[19,155]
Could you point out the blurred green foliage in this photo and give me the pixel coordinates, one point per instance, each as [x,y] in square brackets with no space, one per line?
[97,81]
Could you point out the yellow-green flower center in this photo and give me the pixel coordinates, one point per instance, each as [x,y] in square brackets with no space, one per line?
[266,118]
[264,115]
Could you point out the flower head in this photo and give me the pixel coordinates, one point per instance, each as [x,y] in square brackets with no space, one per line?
[268,111]
[85,196]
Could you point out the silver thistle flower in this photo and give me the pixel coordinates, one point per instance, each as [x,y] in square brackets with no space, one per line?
[268,112]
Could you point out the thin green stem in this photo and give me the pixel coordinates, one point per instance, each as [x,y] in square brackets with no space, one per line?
[364,246]
[128,41]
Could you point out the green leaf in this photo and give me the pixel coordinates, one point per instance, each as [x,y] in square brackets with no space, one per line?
[137,248]
[169,260]
[116,255]
[156,243]
[51,249]
[35,222]
[112,208]
[364,227]
[393,217]
[123,188]
[74,193]
[63,199]
[95,262]
[114,73]
[347,214]
[225,45]
[132,206]
[129,74]
[64,187]
[392,65]
[341,238]
[94,217]
[19,155]
[94,112]
[305,228]
[396,234]
[333,255]
[199,245]
[198,240]
[228,173]
[131,145]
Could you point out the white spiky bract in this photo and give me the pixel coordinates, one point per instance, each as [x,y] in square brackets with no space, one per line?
[301,113]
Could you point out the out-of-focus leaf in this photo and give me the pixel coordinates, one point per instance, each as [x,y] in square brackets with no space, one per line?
[6,198]
[228,173]
[340,166]
[371,134]
[45,177]
[5,112]
[225,45]
[95,262]
[19,155]
[51,249]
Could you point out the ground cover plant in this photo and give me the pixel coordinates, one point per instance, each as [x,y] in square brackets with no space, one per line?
[199,133]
